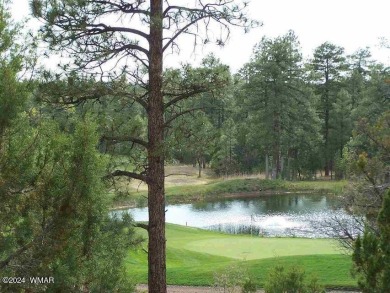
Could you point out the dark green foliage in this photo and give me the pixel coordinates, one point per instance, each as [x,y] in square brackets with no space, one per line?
[248,286]
[55,222]
[374,97]
[54,219]
[367,163]
[291,280]
[199,138]
[266,101]
[12,93]
[327,65]
[224,160]
[372,254]
[367,261]
[384,225]
[272,101]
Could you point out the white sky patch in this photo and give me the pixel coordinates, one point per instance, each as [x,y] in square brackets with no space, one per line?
[352,24]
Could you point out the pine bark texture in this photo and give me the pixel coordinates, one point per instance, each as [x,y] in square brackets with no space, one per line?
[156,196]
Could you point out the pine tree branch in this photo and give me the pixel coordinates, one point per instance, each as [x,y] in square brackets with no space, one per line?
[139,99]
[183,96]
[22,249]
[182,30]
[177,115]
[102,28]
[130,47]
[126,138]
[133,175]
[126,8]
[142,225]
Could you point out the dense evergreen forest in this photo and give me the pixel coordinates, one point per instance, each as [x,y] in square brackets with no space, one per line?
[292,118]
[67,136]
[296,118]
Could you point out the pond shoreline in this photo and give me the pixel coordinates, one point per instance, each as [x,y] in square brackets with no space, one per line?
[173,200]
[266,214]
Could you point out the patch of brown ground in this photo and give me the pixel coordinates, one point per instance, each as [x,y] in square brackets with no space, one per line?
[178,175]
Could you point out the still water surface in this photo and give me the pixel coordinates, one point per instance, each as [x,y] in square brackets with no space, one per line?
[276,215]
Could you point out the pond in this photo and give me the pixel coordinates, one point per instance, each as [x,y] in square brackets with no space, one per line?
[275,215]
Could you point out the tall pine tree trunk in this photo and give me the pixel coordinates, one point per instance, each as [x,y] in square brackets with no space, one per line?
[156,196]
[326,118]
[288,173]
[326,142]
[276,146]
[199,167]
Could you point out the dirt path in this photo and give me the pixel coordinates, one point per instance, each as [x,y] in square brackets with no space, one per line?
[190,289]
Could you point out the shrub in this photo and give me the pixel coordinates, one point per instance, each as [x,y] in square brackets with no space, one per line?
[248,286]
[292,280]
[228,279]
[233,278]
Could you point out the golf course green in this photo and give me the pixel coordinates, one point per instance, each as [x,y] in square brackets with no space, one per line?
[194,256]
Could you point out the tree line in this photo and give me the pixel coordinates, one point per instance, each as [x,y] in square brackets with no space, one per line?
[290,117]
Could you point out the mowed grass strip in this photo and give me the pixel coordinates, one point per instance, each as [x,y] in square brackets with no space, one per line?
[244,247]
[332,271]
[194,256]
[247,248]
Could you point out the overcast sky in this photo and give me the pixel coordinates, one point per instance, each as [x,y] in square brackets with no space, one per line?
[352,24]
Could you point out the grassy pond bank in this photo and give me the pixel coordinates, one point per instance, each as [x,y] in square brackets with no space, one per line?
[196,256]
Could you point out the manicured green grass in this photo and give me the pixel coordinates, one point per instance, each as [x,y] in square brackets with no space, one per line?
[335,187]
[245,248]
[195,255]
[331,270]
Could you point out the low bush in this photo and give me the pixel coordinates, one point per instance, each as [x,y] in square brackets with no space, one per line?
[292,280]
